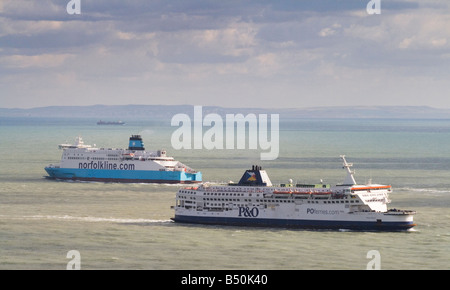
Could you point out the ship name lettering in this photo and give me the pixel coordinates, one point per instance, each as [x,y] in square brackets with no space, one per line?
[105,165]
[322,211]
[247,212]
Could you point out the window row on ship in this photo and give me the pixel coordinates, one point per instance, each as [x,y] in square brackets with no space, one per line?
[211,193]
[91,158]
[342,199]
[270,200]
[206,193]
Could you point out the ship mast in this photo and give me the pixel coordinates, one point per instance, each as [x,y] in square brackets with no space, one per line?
[349,180]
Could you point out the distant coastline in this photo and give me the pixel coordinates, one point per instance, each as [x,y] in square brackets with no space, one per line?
[127,112]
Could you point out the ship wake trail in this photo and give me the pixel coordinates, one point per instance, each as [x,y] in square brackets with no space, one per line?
[90,219]
[426,190]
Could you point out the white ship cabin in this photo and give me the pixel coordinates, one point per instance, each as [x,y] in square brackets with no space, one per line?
[255,189]
[135,151]
[222,198]
[78,152]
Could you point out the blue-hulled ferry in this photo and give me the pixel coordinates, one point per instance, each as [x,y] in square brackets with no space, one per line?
[84,162]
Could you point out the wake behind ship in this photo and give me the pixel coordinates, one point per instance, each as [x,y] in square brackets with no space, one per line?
[255,202]
[134,164]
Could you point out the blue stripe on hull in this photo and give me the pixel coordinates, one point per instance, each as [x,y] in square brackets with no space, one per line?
[124,175]
[299,224]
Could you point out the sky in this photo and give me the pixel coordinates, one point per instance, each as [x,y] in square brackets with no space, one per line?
[252,53]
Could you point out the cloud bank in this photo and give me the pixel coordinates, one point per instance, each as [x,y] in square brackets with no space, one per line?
[289,53]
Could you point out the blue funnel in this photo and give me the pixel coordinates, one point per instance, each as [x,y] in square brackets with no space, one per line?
[136,143]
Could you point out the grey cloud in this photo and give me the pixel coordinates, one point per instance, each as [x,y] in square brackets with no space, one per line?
[195,49]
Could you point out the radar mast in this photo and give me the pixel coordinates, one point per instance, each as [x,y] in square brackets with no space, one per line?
[349,180]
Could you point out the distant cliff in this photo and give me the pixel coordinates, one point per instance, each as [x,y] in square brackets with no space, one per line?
[132,112]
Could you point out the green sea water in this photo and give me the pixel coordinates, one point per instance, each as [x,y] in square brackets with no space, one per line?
[128,226]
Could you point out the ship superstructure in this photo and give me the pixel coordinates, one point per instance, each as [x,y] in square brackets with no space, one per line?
[134,164]
[255,202]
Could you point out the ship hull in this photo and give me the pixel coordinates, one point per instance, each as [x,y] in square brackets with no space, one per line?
[124,176]
[298,223]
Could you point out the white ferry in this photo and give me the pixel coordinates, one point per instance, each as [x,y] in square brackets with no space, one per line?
[87,163]
[255,202]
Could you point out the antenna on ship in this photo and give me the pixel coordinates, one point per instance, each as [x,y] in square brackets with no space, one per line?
[349,180]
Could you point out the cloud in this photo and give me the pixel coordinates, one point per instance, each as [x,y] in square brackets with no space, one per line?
[40,61]
[270,53]
[233,43]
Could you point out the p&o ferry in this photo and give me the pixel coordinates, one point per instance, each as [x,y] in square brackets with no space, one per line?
[134,164]
[254,201]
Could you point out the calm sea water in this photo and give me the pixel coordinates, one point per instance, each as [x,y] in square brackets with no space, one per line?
[128,226]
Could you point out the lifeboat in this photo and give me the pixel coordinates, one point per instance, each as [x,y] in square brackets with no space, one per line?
[302,192]
[282,192]
[321,193]
[128,155]
[368,188]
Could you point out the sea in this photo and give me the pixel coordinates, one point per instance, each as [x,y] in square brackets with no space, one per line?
[109,226]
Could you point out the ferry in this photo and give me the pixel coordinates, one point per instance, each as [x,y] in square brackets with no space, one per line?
[87,163]
[254,201]
[110,122]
